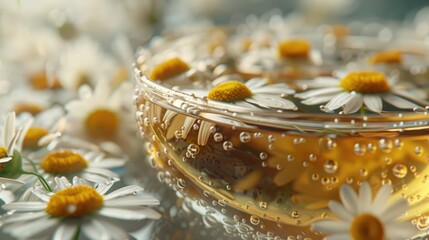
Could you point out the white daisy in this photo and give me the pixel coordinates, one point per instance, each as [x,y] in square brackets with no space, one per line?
[256,93]
[42,128]
[79,206]
[93,166]
[364,217]
[98,114]
[84,62]
[9,136]
[22,99]
[353,90]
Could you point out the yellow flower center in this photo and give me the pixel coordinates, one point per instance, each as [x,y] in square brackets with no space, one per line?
[74,201]
[169,69]
[3,153]
[366,82]
[229,91]
[40,81]
[62,162]
[367,227]
[102,124]
[31,108]
[298,48]
[32,137]
[386,57]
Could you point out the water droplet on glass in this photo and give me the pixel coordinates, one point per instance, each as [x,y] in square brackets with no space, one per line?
[263,204]
[228,146]
[295,214]
[423,223]
[255,220]
[330,166]
[418,150]
[245,137]
[218,137]
[193,149]
[359,149]
[399,170]
[385,145]
[263,155]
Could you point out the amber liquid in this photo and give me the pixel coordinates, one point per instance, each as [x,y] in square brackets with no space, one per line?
[279,181]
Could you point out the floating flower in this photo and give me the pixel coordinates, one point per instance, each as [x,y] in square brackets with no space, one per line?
[78,206]
[353,90]
[363,217]
[255,91]
[294,48]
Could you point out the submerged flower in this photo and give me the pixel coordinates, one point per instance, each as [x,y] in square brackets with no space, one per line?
[76,206]
[353,90]
[294,48]
[168,69]
[364,217]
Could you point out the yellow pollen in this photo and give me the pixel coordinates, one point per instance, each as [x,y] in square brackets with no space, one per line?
[169,69]
[76,201]
[386,57]
[367,227]
[366,82]
[62,162]
[102,124]
[229,91]
[31,108]
[32,137]
[3,153]
[298,48]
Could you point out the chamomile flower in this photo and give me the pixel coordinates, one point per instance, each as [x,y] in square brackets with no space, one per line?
[84,62]
[43,127]
[93,166]
[255,93]
[97,114]
[23,99]
[79,206]
[364,217]
[353,90]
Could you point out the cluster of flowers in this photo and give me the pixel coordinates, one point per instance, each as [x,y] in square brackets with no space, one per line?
[67,120]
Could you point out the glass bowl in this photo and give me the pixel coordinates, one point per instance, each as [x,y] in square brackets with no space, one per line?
[269,166]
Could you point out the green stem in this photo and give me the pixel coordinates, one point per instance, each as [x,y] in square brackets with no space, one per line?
[76,234]
[41,179]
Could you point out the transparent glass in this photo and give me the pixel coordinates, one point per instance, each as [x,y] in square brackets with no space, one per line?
[270,174]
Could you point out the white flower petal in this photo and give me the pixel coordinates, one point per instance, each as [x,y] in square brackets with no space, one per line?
[29,229]
[321,82]
[95,178]
[365,198]
[22,217]
[94,230]
[204,133]
[373,102]
[103,187]
[112,230]
[379,203]
[338,100]
[340,236]
[62,182]
[25,206]
[354,104]
[5,159]
[256,83]
[41,194]
[274,89]
[131,201]
[349,199]
[317,100]
[271,102]
[340,211]
[9,128]
[399,102]
[187,125]
[102,172]
[129,214]
[400,231]
[65,231]
[128,190]
[394,210]
[109,163]
[329,227]
[318,92]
